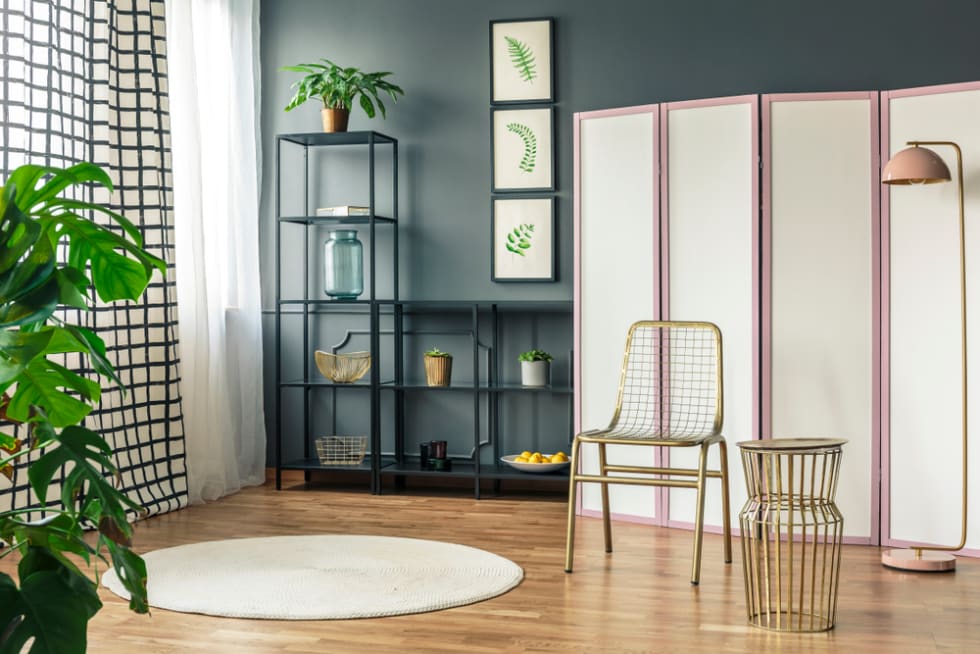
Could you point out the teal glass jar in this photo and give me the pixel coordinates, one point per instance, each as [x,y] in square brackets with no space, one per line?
[343,265]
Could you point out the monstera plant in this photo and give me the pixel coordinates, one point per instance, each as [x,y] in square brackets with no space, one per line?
[53,255]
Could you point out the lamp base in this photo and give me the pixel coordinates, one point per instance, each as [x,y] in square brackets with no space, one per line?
[925,561]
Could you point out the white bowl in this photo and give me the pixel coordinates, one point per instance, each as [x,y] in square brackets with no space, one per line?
[533,467]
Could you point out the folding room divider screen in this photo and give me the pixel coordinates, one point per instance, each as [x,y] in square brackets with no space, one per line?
[765,214]
[86,81]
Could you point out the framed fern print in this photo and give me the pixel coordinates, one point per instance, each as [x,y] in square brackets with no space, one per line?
[521,64]
[523,238]
[523,149]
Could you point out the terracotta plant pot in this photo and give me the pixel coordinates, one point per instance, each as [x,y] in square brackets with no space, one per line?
[334,120]
[438,370]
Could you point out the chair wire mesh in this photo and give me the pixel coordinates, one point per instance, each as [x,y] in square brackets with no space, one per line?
[670,384]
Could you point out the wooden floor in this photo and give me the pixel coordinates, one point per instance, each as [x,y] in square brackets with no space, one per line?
[637,599]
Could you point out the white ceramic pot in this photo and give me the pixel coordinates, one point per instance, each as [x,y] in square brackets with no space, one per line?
[535,373]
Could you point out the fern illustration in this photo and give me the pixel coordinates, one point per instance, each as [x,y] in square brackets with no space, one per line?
[522,57]
[530,145]
[519,239]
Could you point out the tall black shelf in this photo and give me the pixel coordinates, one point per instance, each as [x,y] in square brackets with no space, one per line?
[396,379]
[311,306]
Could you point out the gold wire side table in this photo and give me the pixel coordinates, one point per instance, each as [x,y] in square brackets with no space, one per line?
[791,532]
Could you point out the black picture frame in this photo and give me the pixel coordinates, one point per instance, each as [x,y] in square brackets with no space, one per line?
[509,218]
[517,47]
[522,149]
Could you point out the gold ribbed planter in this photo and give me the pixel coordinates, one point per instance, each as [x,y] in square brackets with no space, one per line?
[438,370]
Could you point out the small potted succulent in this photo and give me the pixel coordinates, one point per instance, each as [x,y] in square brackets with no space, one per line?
[337,88]
[438,367]
[535,368]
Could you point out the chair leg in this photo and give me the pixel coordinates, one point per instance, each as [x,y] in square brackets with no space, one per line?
[572,488]
[606,521]
[699,517]
[726,509]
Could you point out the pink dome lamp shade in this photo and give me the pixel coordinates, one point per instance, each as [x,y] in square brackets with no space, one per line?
[915,165]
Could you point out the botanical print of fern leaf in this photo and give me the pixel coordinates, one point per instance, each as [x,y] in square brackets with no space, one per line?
[530,145]
[519,239]
[522,57]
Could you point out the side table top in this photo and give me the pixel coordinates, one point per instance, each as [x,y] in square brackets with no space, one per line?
[798,445]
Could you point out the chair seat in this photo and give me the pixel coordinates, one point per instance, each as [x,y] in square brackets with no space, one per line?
[622,434]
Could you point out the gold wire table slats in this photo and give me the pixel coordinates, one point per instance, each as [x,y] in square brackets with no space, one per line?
[791,533]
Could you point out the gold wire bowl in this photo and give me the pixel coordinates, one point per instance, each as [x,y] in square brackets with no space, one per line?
[341,450]
[343,368]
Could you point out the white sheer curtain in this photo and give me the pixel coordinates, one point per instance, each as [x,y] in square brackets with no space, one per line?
[212,61]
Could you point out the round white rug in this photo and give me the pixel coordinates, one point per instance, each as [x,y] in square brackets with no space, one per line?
[321,577]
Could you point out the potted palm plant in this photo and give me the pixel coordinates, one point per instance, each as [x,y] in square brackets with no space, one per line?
[337,88]
[438,367]
[55,598]
[535,367]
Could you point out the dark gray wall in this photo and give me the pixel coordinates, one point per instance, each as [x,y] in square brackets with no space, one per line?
[609,53]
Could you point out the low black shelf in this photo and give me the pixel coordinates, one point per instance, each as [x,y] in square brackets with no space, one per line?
[502,471]
[314,464]
[460,469]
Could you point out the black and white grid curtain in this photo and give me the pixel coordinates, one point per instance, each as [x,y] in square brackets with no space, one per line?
[86,80]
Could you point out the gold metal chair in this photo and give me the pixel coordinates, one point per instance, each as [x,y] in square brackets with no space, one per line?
[670,395]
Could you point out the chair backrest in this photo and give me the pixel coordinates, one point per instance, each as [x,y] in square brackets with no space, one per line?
[671,381]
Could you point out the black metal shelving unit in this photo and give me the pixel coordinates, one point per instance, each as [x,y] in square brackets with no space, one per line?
[481,322]
[310,306]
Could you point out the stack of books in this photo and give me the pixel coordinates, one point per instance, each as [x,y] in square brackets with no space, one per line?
[343,210]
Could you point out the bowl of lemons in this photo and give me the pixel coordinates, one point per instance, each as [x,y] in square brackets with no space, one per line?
[535,462]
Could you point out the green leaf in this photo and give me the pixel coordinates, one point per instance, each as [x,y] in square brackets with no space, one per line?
[28,289]
[131,570]
[75,445]
[56,534]
[120,270]
[529,159]
[522,58]
[77,205]
[41,384]
[367,106]
[18,233]
[19,349]
[58,627]
[90,455]
[60,179]
[72,338]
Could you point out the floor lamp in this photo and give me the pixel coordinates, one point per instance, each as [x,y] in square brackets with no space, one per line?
[919,165]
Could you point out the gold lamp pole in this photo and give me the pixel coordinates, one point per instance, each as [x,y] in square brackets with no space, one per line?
[919,165]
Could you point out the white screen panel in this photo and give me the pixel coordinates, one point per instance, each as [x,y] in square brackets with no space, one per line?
[924,327]
[822,283]
[711,176]
[618,233]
